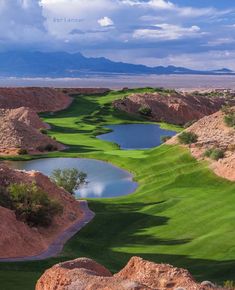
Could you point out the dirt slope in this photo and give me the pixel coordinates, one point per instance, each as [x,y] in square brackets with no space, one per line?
[25,115]
[172,107]
[38,99]
[212,132]
[17,239]
[138,274]
[19,129]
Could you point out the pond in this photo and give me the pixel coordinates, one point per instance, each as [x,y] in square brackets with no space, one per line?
[136,136]
[104,179]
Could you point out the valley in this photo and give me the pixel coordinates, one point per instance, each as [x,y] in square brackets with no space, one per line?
[181,213]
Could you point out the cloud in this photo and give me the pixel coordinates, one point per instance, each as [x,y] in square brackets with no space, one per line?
[159,4]
[21,22]
[86,26]
[167,31]
[105,22]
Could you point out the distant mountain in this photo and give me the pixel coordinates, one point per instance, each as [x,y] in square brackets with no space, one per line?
[62,64]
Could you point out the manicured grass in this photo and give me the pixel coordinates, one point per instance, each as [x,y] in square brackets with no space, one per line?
[181,213]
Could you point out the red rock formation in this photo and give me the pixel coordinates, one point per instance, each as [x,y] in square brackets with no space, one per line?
[172,108]
[18,239]
[212,132]
[19,129]
[37,99]
[138,274]
[25,115]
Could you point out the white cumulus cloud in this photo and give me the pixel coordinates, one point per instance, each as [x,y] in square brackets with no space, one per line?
[167,31]
[105,21]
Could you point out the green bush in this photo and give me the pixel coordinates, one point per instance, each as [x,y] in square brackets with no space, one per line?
[69,179]
[217,154]
[214,154]
[165,138]
[22,151]
[5,200]
[230,285]
[229,119]
[208,153]
[145,110]
[50,147]
[43,131]
[32,205]
[187,138]
[226,109]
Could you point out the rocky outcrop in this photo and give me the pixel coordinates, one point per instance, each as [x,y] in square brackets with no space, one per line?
[25,115]
[212,133]
[37,99]
[172,107]
[19,129]
[138,274]
[19,240]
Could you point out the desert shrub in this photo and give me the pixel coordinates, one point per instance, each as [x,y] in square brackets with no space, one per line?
[229,119]
[207,153]
[187,138]
[40,148]
[145,111]
[229,285]
[5,200]
[165,138]
[22,151]
[43,131]
[190,123]
[32,205]
[69,179]
[217,154]
[214,153]
[50,147]
[226,109]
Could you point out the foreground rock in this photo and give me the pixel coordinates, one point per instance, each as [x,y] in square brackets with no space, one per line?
[138,274]
[212,133]
[173,107]
[37,99]
[17,239]
[20,129]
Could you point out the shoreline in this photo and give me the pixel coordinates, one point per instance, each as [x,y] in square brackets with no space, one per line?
[197,82]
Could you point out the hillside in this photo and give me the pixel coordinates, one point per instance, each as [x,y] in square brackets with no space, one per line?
[213,133]
[171,106]
[17,239]
[37,99]
[19,130]
[63,64]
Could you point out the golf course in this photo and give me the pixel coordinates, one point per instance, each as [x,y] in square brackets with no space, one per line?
[181,213]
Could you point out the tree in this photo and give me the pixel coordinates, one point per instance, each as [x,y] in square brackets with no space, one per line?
[69,179]
[32,205]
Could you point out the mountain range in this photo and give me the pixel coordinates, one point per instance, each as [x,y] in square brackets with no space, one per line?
[63,64]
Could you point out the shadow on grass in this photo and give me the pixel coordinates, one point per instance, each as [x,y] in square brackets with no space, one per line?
[116,229]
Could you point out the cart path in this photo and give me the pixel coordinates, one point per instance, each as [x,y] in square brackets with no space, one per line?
[56,246]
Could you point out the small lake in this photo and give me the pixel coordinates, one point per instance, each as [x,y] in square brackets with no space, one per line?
[136,136]
[104,179]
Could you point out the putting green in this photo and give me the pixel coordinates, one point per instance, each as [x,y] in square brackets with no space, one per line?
[181,212]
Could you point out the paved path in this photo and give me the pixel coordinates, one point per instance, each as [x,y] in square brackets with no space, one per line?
[56,247]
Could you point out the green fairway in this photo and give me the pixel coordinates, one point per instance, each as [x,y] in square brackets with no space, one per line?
[181,213]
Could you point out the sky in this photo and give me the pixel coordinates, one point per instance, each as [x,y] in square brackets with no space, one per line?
[198,34]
